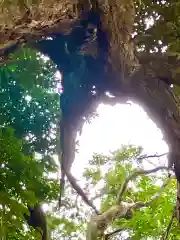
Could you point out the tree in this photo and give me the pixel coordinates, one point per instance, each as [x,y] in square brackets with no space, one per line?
[29,112]
[136,199]
[134,75]
[129,67]
[23,183]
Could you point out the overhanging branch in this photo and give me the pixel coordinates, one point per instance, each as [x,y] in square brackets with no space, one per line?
[81,193]
[165,237]
[152,156]
[164,65]
[154,197]
[112,234]
[134,175]
[61,26]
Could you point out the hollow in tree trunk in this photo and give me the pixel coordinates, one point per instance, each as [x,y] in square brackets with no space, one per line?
[131,76]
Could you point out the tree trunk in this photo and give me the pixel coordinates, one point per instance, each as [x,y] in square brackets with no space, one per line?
[133,80]
[23,22]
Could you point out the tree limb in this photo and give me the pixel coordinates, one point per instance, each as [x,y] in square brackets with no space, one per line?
[134,175]
[154,197]
[99,223]
[164,65]
[165,237]
[152,156]
[109,235]
[78,189]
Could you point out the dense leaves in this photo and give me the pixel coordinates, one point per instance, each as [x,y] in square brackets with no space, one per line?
[22,183]
[28,101]
[29,113]
[29,117]
[102,181]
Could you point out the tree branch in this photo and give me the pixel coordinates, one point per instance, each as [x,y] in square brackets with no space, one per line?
[99,223]
[165,237]
[157,195]
[134,175]
[109,235]
[152,156]
[79,190]
[163,65]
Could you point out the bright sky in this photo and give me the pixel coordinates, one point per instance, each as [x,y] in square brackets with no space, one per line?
[121,124]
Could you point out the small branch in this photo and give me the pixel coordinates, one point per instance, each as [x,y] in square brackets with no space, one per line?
[134,175]
[79,190]
[65,203]
[165,237]
[100,194]
[157,195]
[109,235]
[152,156]
[97,196]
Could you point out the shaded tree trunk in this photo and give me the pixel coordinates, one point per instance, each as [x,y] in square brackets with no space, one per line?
[132,80]
[20,23]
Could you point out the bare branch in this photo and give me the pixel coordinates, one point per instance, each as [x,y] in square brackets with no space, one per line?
[112,234]
[97,196]
[100,194]
[152,156]
[134,175]
[78,189]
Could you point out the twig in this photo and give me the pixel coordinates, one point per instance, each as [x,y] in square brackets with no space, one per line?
[134,175]
[152,156]
[79,190]
[157,195]
[109,235]
[100,194]
[165,237]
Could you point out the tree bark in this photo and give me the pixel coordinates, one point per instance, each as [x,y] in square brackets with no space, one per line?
[133,79]
[136,81]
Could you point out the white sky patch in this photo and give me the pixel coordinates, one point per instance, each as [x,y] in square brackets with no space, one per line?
[119,125]
[149,22]
[28,98]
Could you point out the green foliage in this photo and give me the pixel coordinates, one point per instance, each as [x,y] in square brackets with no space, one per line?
[22,183]
[29,112]
[28,102]
[111,171]
[166,26]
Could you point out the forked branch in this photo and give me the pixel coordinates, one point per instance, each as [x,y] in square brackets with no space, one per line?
[133,176]
[79,190]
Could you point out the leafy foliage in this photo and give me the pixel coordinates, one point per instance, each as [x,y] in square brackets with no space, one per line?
[22,183]
[29,112]
[29,115]
[102,181]
[28,102]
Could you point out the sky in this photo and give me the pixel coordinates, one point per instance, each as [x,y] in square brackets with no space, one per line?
[118,125]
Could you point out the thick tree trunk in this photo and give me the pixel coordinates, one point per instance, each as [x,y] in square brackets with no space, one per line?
[132,80]
[144,86]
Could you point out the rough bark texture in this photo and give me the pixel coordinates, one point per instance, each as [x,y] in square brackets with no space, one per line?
[137,82]
[117,20]
[144,86]
[99,223]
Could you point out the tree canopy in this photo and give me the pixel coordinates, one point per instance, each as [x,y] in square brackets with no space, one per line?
[148,200]
[132,52]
